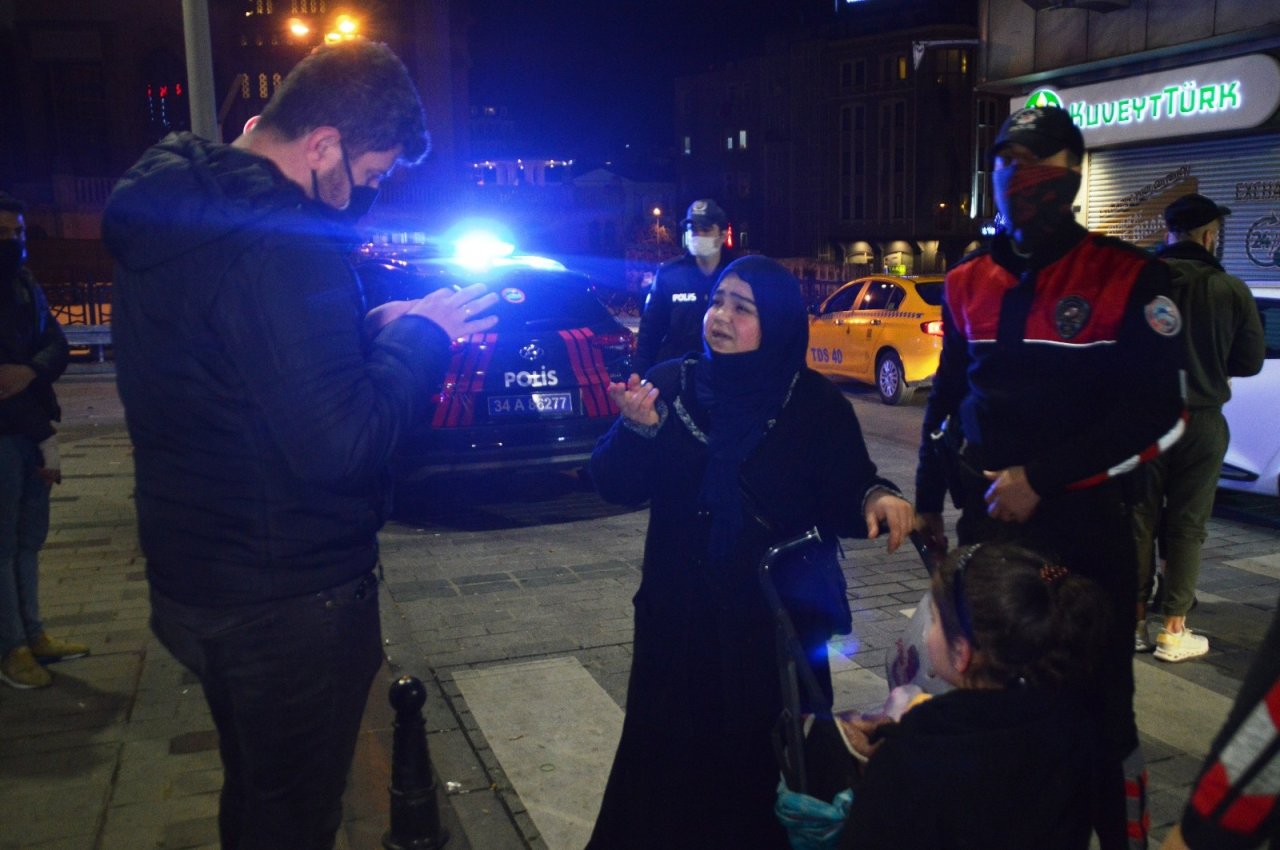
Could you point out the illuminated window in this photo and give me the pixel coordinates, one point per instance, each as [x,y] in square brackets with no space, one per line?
[244,86]
[275,82]
[688,146]
[742,139]
[262,86]
[902,67]
[728,143]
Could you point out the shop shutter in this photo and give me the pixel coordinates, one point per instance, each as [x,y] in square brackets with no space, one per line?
[1128,190]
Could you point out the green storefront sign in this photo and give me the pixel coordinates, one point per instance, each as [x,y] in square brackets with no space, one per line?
[1211,98]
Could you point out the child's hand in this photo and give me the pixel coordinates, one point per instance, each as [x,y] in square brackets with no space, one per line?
[862,733]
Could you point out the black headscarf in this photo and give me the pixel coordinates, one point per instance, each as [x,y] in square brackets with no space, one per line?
[744,392]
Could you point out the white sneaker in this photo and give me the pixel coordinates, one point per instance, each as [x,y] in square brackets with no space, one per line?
[1179,646]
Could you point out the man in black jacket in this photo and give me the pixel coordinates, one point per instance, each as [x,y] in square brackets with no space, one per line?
[671,325]
[262,418]
[1060,362]
[33,354]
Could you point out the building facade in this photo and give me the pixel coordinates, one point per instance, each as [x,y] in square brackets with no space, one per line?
[95,83]
[854,145]
[1172,96]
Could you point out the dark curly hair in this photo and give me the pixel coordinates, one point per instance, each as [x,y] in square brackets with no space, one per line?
[361,88]
[1027,620]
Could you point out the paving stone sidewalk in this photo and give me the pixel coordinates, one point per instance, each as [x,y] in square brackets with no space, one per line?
[120,752]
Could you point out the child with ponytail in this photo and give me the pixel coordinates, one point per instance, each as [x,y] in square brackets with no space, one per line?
[1003,759]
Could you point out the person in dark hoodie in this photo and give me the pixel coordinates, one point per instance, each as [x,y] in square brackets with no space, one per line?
[1224,339]
[262,418]
[1004,759]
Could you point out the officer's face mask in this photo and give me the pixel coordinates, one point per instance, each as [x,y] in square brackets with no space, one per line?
[1035,199]
[703,246]
[13,253]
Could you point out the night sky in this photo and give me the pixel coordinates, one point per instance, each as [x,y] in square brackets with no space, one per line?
[583,78]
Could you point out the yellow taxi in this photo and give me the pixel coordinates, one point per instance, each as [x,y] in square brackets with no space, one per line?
[884,330]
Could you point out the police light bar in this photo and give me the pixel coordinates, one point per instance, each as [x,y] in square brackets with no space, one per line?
[481,248]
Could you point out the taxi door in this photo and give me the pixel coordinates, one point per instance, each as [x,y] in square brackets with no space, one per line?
[874,306]
[830,329]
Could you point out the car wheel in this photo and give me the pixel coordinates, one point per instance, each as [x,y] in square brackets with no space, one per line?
[893,389]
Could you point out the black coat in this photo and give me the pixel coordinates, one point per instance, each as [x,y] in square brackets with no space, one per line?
[30,336]
[704,681]
[978,769]
[261,416]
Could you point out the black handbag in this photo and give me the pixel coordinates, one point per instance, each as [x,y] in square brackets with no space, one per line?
[814,761]
[809,580]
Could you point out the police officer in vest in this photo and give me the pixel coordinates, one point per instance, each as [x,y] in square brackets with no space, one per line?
[672,322]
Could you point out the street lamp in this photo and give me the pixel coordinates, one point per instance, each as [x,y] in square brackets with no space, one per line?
[657,223]
[345,28]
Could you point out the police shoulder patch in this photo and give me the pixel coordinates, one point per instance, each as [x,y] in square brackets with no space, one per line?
[1163,316]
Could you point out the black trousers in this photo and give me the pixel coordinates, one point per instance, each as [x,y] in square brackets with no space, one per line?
[1089,533]
[286,682]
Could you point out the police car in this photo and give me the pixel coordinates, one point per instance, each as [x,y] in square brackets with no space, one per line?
[531,391]
[884,330]
[1252,463]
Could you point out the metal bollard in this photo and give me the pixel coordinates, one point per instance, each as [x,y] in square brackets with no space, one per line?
[415,814]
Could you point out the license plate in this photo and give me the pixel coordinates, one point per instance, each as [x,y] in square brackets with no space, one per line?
[534,404]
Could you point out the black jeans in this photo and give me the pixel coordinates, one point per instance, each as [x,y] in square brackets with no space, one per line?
[286,682]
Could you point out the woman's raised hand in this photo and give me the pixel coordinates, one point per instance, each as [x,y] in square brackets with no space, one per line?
[636,399]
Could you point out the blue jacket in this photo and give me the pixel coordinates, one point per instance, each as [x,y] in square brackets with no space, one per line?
[262,418]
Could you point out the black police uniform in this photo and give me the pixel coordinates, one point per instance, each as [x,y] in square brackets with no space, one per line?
[672,322]
[1066,363]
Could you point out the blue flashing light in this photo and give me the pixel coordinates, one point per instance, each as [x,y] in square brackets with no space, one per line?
[535,262]
[481,248]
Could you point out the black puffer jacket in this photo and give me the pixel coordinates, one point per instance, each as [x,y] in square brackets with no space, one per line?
[262,419]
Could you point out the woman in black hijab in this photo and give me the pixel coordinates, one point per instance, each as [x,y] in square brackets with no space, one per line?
[736,449]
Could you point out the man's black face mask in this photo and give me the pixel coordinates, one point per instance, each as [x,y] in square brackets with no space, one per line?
[359,201]
[13,253]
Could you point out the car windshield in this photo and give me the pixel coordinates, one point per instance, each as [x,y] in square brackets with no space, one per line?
[931,293]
